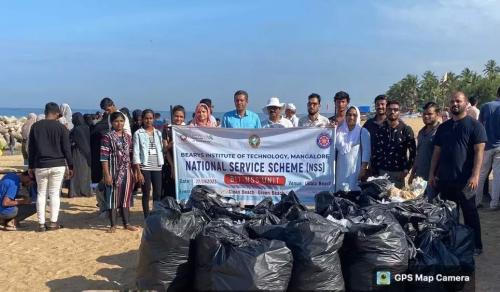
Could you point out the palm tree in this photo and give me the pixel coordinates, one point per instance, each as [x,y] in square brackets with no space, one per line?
[491,69]
[428,87]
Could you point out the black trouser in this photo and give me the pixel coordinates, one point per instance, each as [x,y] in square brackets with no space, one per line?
[168,182]
[124,213]
[455,193]
[151,178]
[22,212]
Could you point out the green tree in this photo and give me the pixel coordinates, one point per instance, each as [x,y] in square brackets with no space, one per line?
[491,69]
[428,88]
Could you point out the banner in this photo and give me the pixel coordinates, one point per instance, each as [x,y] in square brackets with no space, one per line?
[252,164]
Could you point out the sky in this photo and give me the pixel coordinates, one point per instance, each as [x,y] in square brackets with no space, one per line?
[153,54]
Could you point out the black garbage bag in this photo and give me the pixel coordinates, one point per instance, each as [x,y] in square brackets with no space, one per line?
[226,259]
[286,203]
[264,206]
[315,242]
[460,242]
[327,203]
[215,205]
[374,242]
[376,188]
[165,246]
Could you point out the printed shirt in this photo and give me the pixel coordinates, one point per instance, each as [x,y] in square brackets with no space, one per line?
[394,148]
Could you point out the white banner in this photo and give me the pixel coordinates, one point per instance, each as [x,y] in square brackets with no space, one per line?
[252,164]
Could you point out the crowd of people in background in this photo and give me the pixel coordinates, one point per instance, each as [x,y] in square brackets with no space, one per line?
[119,153]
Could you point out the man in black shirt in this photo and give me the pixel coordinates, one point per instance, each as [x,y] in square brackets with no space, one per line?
[456,162]
[394,149]
[375,123]
[49,154]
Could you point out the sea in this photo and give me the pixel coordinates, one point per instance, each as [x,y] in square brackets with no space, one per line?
[23,112]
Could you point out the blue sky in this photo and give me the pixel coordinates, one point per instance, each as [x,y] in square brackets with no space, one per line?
[160,53]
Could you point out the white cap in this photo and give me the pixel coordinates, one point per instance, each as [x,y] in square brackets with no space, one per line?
[291,106]
[273,101]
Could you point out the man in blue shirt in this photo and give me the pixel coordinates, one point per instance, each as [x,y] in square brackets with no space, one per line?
[241,117]
[14,210]
[489,116]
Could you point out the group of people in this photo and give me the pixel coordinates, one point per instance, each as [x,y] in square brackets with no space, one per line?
[122,153]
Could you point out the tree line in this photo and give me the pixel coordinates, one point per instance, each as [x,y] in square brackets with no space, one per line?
[412,92]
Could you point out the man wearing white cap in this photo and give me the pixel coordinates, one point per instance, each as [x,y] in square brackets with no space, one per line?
[273,109]
[290,111]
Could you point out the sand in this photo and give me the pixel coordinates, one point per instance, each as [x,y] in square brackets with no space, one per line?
[82,256]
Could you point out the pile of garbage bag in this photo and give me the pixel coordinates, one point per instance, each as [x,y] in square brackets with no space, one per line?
[214,243]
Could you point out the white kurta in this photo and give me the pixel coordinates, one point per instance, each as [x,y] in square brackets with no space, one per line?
[348,165]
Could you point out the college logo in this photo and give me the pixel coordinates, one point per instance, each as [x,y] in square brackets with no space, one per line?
[254,141]
[183,138]
[324,140]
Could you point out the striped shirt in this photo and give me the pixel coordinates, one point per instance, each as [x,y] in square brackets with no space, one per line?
[152,164]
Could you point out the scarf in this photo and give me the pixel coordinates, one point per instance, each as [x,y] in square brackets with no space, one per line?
[25,130]
[198,122]
[346,139]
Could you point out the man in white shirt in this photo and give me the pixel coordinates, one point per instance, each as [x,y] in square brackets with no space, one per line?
[472,110]
[314,119]
[273,109]
[109,107]
[290,111]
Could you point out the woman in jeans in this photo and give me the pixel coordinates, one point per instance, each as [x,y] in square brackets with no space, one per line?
[116,148]
[148,159]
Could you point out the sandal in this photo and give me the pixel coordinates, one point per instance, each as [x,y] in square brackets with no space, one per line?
[111,229]
[130,227]
[41,228]
[53,226]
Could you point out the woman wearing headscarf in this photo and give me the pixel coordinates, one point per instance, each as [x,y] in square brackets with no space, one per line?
[116,148]
[66,116]
[80,149]
[25,133]
[352,152]
[136,120]
[202,117]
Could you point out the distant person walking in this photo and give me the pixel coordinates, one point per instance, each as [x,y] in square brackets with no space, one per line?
[116,148]
[25,134]
[148,159]
[394,147]
[49,152]
[352,152]
[425,145]
[490,118]
[80,150]
[456,162]
[241,117]
[314,118]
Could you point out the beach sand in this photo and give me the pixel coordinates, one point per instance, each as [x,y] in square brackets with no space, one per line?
[82,256]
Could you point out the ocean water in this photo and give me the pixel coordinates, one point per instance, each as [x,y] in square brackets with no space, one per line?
[23,112]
